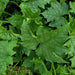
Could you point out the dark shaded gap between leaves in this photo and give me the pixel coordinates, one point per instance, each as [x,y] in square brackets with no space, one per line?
[48,64]
[66,40]
[72,14]
[11,7]
[47,23]
[67,17]
[6,25]
[46,7]
[58,0]
[38,46]
[35,74]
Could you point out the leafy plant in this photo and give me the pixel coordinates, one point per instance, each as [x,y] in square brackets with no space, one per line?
[37,37]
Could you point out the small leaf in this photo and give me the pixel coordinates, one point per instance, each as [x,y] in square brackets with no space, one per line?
[73,61]
[72,6]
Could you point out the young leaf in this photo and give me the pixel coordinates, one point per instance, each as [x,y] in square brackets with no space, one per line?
[72,6]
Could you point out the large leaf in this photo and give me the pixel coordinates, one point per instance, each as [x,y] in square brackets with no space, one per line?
[29,40]
[55,14]
[6,52]
[34,4]
[51,43]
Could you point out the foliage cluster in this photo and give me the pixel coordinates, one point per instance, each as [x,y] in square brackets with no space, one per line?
[38,35]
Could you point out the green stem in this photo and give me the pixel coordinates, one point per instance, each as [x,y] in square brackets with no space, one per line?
[4,21]
[1,24]
[54,68]
[14,3]
[7,13]
[15,65]
[19,0]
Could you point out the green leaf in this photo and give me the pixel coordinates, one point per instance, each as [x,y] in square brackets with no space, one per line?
[28,13]
[72,6]
[72,25]
[72,72]
[71,43]
[34,25]
[73,61]
[16,21]
[55,14]
[7,35]
[41,67]
[36,64]
[6,52]
[58,22]
[24,0]
[38,35]
[62,70]
[51,43]
[61,1]
[29,40]
[71,46]
[32,18]
[3,4]
[28,61]
[26,51]
[35,4]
